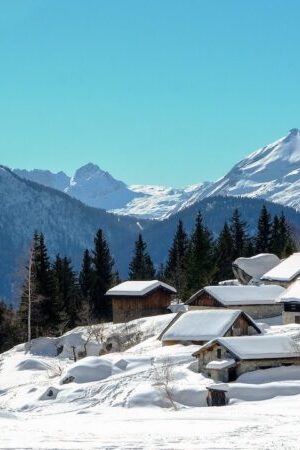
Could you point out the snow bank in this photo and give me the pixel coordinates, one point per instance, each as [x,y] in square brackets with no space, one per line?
[256,266]
[89,369]
[32,364]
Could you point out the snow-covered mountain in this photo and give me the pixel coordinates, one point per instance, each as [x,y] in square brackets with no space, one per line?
[95,187]
[271,173]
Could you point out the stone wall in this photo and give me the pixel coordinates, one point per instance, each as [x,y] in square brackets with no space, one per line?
[290,317]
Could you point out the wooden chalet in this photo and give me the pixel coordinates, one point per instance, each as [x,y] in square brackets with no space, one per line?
[199,327]
[257,301]
[226,358]
[134,299]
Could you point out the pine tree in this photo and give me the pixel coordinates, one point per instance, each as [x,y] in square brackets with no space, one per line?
[238,229]
[175,272]
[102,278]
[141,266]
[276,245]
[263,237]
[67,298]
[224,254]
[40,287]
[201,262]
[86,275]
[160,275]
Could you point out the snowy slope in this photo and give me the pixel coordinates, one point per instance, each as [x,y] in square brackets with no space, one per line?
[271,173]
[99,189]
[114,401]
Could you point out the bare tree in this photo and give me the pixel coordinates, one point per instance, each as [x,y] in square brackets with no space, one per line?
[163,377]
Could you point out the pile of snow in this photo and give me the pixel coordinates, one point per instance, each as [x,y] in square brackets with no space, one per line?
[33,364]
[255,266]
[89,369]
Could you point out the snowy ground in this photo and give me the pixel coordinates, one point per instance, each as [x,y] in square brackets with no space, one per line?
[114,402]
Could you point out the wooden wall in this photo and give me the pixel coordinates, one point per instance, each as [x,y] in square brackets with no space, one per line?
[127,308]
[205,299]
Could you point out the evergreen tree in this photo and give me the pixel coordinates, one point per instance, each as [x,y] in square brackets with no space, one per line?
[238,229]
[175,272]
[102,278]
[224,255]
[141,266]
[263,237]
[41,288]
[201,263]
[160,275]
[67,297]
[86,275]
[287,243]
[276,245]
[9,331]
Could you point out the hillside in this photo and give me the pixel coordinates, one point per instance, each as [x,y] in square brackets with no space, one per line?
[115,400]
[69,227]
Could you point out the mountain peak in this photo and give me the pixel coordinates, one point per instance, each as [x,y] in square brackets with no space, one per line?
[294,131]
[87,171]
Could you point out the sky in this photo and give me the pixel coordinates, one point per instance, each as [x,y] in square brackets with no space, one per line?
[155,92]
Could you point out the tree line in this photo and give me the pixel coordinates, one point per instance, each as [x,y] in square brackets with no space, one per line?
[55,298]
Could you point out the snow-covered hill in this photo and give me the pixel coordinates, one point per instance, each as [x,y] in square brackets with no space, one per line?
[117,400]
[271,173]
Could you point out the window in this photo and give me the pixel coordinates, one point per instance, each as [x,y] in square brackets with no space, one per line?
[297,319]
[219,353]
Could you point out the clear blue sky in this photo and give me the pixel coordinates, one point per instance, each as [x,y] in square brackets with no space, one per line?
[154,91]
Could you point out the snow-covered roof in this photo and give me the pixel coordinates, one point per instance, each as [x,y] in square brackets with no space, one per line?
[257,265]
[219,364]
[257,347]
[292,294]
[138,288]
[287,270]
[201,325]
[244,295]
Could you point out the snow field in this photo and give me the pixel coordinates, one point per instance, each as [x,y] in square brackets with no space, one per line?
[117,400]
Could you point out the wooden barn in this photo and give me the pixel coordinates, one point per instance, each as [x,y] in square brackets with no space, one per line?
[284,273]
[257,301]
[134,299]
[226,358]
[199,327]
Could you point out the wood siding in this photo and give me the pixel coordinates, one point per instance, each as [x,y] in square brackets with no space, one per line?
[127,308]
[205,299]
